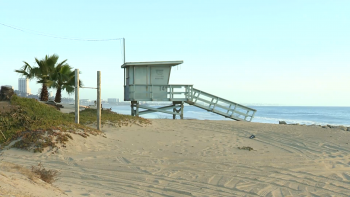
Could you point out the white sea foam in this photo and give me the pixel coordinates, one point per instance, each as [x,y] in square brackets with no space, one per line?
[292,121]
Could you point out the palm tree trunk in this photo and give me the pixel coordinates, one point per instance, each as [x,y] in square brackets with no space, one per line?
[44,96]
[58,95]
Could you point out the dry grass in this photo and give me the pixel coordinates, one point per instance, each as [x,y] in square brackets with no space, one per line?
[19,181]
[49,176]
[11,167]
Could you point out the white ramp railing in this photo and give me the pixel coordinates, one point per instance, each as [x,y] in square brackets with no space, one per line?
[175,92]
[221,106]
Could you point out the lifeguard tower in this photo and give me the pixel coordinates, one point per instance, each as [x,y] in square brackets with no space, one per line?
[149,81]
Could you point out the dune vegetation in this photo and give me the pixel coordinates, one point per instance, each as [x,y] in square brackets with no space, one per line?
[35,125]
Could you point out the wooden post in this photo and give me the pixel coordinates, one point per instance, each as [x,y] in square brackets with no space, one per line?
[77,96]
[182,110]
[99,100]
[137,109]
[133,107]
[174,110]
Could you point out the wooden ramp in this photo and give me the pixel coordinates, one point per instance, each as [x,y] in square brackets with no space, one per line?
[220,106]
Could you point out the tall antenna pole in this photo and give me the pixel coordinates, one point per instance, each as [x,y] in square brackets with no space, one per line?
[124,49]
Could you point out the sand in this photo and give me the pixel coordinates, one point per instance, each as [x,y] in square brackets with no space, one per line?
[68,108]
[193,158]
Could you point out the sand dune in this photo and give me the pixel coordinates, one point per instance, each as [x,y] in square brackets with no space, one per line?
[200,158]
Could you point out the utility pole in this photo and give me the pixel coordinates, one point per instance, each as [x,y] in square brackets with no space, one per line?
[77,96]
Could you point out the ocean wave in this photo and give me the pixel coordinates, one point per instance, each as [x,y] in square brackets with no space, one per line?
[293,121]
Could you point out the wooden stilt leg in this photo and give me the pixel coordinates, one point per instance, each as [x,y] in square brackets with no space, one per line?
[182,110]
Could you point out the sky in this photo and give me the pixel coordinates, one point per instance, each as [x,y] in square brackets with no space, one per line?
[291,53]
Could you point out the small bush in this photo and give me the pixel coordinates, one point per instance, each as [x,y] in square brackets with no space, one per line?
[49,176]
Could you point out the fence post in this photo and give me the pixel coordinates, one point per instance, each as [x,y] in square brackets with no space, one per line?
[77,96]
[99,100]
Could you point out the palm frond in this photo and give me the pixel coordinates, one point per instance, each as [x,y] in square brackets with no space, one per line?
[25,70]
[51,74]
[69,89]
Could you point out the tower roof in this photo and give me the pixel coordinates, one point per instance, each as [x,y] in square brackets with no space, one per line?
[154,63]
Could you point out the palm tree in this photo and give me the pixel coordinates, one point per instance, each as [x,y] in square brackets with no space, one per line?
[41,72]
[45,68]
[63,78]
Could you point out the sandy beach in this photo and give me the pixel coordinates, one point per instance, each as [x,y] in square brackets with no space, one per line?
[191,158]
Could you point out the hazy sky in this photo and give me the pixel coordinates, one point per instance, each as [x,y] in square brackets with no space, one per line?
[272,52]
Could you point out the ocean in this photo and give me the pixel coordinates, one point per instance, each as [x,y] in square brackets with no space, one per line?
[264,114]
